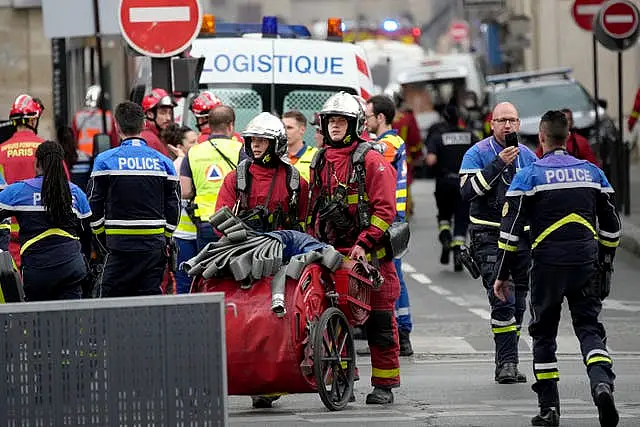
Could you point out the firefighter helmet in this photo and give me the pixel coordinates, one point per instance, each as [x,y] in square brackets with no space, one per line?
[157,98]
[203,103]
[348,106]
[266,125]
[92,97]
[25,107]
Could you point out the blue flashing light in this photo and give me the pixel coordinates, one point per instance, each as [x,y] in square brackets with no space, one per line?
[390,25]
[343,26]
[269,26]
[237,29]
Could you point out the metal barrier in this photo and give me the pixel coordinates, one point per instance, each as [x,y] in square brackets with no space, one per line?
[136,362]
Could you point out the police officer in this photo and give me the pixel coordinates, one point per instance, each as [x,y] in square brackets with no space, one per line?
[53,217]
[486,171]
[135,199]
[299,153]
[379,115]
[158,110]
[265,191]
[445,150]
[205,167]
[341,216]
[575,230]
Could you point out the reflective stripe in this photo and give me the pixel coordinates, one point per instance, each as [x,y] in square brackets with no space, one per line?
[609,244]
[555,186]
[483,181]
[635,114]
[609,235]
[135,231]
[5,227]
[45,234]
[546,366]
[477,189]
[134,173]
[401,193]
[98,230]
[385,373]
[401,207]
[125,222]
[97,223]
[596,359]
[404,311]
[597,351]
[479,221]
[15,227]
[504,329]
[547,375]
[170,227]
[380,253]
[468,171]
[564,221]
[503,322]
[379,223]
[507,247]
[508,236]
[352,199]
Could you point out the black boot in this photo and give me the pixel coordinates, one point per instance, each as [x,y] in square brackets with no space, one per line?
[507,374]
[263,402]
[607,412]
[445,239]
[457,263]
[547,417]
[405,344]
[380,396]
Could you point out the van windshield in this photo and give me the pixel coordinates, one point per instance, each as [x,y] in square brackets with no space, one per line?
[251,99]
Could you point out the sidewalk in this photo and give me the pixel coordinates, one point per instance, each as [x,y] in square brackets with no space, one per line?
[630,239]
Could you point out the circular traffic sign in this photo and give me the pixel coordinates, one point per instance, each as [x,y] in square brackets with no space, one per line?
[619,19]
[162,28]
[583,12]
[459,31]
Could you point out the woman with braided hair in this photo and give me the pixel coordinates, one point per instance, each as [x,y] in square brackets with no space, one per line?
[52,214]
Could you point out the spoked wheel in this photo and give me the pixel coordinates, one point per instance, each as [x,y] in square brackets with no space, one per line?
[334,359]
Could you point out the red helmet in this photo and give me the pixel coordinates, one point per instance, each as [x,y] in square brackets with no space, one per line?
[157,98]
[25,107]
[203,103]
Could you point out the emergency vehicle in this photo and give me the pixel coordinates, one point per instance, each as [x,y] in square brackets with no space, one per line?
[276,68]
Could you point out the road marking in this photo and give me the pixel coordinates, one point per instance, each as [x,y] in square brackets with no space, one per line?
[407,268]
[441,345]
[484,314]
[159,14]
[365,419]
[461,301]
[612,304]
[439,290]
[421,278]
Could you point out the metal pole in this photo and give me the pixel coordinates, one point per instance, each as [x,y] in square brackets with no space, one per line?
[623,164]
[103,85]
[595,93]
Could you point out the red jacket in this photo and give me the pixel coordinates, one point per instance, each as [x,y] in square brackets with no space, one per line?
[407,127]
[18,156]
[261,178]
[578,146]
[635,112]
[380,186]
[152,136]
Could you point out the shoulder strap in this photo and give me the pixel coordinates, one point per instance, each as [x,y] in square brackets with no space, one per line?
[318,158]
[243,184]
[293,178]
[360,152]
[293,187]
[357,158]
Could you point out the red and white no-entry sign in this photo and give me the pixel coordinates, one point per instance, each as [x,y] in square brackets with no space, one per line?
[160,28]
[583,12]
[459,31]
[619,19]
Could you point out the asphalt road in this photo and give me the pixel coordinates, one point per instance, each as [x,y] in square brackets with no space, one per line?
[449,381]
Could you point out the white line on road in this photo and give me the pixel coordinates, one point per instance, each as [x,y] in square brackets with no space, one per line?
[421,278]
[159,14]
[461,301]
[439,290]
[407,268]
[481,312]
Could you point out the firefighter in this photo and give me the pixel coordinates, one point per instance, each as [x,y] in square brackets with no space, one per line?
[158,110]
[205,167]
[300,154]
[485,173]
[354,216]
[88,122]
[445,150]
[318,138]
[200,107]
[17,154]
[380,112]
[575,230]
[52,214]
[405,124]
[577,145]
[135,199]
[635,112]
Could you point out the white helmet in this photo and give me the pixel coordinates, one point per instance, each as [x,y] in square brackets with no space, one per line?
[92,97]
[348,106]
[266,125]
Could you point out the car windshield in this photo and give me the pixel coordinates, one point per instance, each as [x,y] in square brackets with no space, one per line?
[535,101]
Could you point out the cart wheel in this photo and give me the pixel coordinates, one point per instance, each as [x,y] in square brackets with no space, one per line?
[334,359]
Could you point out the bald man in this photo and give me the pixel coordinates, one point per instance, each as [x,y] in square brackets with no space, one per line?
[485,174]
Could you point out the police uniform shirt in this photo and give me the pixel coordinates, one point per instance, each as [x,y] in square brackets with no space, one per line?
[43,244]
[449,146]
[570,206]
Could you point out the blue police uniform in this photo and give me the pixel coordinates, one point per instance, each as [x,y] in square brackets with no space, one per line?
[574,226]
[484,180]
[53,265]
[135,199]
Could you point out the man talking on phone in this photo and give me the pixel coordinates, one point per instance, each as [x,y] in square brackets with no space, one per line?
[485,174]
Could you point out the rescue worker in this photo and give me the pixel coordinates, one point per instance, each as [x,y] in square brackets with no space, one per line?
[180,139]
[405,124]
[575,230]
[577,145]
[158,110]
[53,216]
[135,199]
[200,107]
[445,150]
[17,154]
[485,173]
[317,136]
[635,112]
[379,115]
[300,154]
[205,167]
[87,122]
[339,214]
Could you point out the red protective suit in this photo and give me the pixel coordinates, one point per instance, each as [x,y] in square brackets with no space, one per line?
[635,112]
[261,178]
[380,186]
[578,146]
[407,127]
[152,136]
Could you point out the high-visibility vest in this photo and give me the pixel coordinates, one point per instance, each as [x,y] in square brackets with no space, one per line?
[303,163]
[210,161]
[397,156]
[87,124]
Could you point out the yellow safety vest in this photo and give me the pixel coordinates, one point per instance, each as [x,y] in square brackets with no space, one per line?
[186,229]
[304,162]
[208,169]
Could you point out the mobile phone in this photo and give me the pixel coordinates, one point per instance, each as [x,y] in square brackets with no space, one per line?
[512,139]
